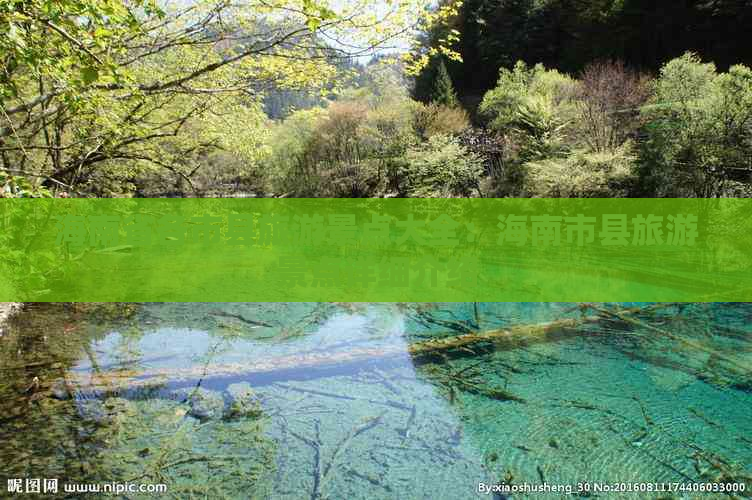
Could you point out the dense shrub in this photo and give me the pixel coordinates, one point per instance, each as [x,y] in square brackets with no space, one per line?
[613,132]
[440,167]
[433,119]
[699,130]
[344,150]
[582,174]
[534,106]
[288,167]
[608,101]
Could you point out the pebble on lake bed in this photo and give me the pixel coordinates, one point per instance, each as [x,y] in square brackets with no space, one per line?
[242,401]
[104,412]
[237,401]
[205,404]
[60,391]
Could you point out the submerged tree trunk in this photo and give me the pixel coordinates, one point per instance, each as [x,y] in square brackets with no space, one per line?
[323,363]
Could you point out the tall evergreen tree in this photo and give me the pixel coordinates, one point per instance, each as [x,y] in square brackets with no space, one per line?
[443,91]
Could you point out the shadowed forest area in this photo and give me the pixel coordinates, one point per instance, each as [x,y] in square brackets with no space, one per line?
[482,98]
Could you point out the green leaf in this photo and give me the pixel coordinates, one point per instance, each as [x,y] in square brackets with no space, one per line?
[89,75]
[313,23]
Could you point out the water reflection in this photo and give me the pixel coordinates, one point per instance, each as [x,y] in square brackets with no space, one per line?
[377,400]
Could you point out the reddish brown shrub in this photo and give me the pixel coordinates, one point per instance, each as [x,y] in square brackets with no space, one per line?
[609,96]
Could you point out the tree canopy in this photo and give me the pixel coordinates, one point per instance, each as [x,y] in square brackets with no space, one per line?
[104,85]
[568,34]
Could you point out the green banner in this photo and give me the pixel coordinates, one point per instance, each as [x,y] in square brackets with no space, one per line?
[413,250]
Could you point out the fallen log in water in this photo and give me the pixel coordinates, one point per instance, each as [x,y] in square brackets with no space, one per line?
[321,363]
[692,344]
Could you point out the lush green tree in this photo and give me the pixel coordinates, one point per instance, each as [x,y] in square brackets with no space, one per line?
[440,168]
[534,106]
[443,92]
[435,43]
[107,89]
[699,130]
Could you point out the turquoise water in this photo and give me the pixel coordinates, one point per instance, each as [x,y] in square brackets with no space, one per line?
[313,401]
